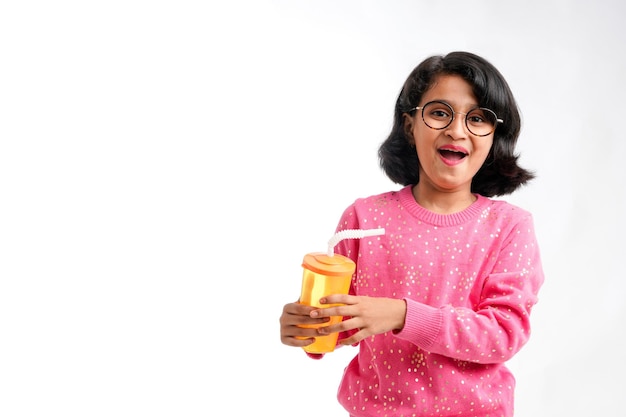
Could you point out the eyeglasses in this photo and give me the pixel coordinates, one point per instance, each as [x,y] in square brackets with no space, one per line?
[438,115]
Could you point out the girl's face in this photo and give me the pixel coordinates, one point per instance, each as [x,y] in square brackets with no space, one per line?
[450,157]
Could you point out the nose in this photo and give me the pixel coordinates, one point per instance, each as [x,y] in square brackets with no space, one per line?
[457,129]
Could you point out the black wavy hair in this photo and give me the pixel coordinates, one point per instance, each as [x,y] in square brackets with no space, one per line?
[500,173]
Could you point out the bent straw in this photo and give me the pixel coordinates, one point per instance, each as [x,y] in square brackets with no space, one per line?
[351,234]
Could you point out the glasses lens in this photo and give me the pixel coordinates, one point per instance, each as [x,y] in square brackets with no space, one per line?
[437,115]
[481,121]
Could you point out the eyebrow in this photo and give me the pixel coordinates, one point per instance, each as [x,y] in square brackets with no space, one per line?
[472,106]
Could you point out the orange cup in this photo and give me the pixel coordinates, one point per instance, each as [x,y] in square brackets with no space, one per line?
[324,275]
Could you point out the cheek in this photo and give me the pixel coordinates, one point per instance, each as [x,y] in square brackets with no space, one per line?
[483,148]
[424,138]
[423,149]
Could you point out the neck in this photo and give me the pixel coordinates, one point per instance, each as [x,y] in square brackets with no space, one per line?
[443,202]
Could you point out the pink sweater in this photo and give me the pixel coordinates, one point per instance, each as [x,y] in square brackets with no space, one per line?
[469,280]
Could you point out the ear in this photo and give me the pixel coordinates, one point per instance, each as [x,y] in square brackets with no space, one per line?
[408,123]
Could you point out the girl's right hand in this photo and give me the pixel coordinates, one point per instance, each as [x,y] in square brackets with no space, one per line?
[294,315]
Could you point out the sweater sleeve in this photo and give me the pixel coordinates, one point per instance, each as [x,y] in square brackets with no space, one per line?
[498,325]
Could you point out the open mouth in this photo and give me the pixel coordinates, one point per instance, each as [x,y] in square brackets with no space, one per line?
[452,155]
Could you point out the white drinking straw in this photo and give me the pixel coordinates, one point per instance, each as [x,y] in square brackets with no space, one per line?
[351,234]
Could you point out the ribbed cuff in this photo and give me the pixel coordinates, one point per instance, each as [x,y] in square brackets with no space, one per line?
[422,324]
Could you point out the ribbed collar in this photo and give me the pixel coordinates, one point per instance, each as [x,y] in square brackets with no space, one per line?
[408,202]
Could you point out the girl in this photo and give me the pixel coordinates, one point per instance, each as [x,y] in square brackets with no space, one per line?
[442,301]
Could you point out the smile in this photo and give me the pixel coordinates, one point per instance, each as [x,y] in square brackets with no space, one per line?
[452,155]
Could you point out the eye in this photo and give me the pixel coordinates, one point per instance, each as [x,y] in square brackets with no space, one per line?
[476,117]
[439,112]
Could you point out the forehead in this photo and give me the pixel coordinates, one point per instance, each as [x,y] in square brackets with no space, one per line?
[452,89]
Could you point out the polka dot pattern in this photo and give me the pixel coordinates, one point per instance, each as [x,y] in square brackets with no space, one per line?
[469,279]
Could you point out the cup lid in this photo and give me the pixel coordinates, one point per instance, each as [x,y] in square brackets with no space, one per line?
[336,265]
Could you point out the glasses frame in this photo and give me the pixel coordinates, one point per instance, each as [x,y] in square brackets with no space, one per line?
[454,113]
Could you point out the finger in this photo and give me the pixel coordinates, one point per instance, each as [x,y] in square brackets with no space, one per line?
[295,321]
[297,341]
[354,338]
[297,308]
[331,311]
[297,314]
[298,336]
[349,341]
[301,326]
[338,299]
[343,326]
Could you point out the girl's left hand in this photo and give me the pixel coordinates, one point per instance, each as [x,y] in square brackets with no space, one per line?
[370,315]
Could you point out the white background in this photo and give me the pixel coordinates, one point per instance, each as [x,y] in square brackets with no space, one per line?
[164,166]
